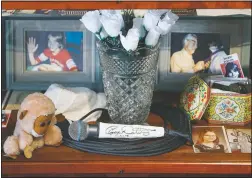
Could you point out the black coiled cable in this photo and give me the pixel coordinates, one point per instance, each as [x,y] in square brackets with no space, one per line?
[140,147]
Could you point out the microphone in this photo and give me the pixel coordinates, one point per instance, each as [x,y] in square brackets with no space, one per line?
[80,130]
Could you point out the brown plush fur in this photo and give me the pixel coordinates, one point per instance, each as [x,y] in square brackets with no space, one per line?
[35,120]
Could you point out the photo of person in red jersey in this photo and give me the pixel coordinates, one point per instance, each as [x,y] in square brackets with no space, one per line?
[58,57]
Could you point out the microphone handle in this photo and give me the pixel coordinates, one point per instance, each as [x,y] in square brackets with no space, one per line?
[129,131]
[93,130]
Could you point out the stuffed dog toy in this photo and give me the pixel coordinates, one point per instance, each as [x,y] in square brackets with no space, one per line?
[35,127]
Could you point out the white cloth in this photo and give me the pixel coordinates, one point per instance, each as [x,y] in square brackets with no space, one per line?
[216,61]
[75,102]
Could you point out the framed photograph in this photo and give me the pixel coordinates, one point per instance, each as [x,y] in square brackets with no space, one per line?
[40,52]
[239,140]
[204,39]
[210,139]
[54,51]
[32,65]
[231,67]
[5,117]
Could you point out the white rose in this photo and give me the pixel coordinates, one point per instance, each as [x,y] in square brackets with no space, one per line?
[138,23]
[103,34]
[139,12]
[170,16]
[105,12]
[91,20]
[153,36]
[167,22]
[150,20]
[158,12]
[130,42]
[164,26]
[112,23]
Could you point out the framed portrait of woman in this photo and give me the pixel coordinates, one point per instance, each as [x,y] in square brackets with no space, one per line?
[210,139]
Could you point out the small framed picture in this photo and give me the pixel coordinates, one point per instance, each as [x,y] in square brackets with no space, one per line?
[41,51]
[239,140]
[5,117]
[197,46]
[231,66]
[210,139]
[190,50]
[54,51]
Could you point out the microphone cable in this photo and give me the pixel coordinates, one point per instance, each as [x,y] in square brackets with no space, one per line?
[138,147]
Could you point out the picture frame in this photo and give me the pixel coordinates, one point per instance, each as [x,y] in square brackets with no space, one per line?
[18,29]
[203,135]
[239,140]
[237,29]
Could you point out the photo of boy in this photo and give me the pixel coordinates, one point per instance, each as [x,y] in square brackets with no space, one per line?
[53,55]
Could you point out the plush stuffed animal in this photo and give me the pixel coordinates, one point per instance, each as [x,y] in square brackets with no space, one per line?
[35,127]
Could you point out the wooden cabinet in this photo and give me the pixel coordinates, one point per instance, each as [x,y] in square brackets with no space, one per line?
[65,161]
[121,4]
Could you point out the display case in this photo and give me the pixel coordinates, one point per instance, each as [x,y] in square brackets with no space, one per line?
[232,31]
[27,26]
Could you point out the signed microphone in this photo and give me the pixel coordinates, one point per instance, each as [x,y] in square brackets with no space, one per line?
[80,130]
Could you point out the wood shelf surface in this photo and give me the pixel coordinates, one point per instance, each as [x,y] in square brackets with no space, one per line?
[64,160]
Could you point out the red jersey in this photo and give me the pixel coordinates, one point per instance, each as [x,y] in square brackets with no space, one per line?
[62,59]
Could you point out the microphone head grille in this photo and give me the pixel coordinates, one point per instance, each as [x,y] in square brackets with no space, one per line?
[78,130]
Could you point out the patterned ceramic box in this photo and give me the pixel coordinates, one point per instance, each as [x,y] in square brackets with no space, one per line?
[232,109]
[195,97]
[217,108]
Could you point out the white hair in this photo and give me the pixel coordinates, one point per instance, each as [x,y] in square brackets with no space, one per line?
[187,37]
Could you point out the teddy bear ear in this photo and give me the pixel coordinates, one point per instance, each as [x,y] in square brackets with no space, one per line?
[22,114]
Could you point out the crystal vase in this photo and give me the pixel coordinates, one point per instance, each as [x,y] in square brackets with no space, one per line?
[128,80]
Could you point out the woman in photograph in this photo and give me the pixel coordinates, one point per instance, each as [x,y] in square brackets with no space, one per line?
[60,59]
[232,70]
[208,142]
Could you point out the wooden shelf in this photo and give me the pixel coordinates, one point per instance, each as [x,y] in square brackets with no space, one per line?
[64,161]
[125,5]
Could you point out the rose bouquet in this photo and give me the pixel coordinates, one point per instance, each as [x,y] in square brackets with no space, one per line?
[129,29]
[128,45]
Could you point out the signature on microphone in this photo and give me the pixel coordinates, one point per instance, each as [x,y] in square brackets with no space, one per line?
[127,131]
